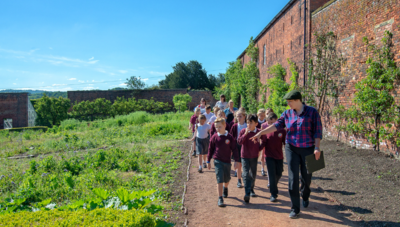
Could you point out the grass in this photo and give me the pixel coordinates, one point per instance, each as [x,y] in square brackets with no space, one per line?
[135,152]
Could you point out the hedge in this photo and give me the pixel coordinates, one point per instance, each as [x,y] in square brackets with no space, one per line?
[35,128]
[97,217]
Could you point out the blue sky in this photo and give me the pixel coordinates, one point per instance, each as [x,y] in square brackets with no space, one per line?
[82,45]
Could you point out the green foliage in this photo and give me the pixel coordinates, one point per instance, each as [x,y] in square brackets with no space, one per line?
[135,83]
[278,88]
[35,128]
[295,75]
[187,75]
[98,109]
[83,217]
[181,101]
[374,99]
[51,111]
[324,72]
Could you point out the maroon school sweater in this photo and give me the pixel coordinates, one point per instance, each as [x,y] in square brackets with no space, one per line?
[249,148]
[214,130]
[259,125]
[273,143]
[222,147]
[194,120]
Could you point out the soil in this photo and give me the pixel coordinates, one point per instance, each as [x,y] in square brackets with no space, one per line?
[365,181]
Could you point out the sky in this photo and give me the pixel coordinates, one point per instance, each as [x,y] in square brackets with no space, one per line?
[84,45]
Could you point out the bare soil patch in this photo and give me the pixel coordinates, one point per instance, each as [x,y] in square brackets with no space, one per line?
[364,181]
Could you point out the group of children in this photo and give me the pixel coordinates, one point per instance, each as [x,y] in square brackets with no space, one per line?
[223,138]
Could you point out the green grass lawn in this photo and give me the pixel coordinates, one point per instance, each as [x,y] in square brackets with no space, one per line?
[133,153]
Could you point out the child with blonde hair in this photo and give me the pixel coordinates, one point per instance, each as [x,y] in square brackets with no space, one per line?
[235,131]
[202,130]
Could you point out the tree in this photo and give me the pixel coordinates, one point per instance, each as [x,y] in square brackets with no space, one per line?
[216,81]
[187,75]
[135,83]
[51,111]
[181,101]
[278,88]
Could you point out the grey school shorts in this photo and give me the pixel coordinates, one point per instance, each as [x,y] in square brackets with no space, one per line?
[202,146]
[222,171]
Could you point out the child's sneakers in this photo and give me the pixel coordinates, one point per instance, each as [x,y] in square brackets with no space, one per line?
[247,198]
[235,174]
[200,169]
[225,193]
[221,202]
[252,193]
[204,165]
[263,173]
[239,184]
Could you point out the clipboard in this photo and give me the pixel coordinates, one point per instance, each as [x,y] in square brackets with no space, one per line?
[313,165]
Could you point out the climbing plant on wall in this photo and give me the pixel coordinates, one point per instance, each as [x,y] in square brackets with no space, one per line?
[324,71]
[376,112]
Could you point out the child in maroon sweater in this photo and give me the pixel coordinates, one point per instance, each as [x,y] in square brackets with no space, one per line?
[193,121]
[220,114]
[274,155]
[222,145]
[235,131]
[264,126]
[249,153]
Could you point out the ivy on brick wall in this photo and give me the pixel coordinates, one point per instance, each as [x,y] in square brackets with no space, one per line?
[375,114]
[324,71]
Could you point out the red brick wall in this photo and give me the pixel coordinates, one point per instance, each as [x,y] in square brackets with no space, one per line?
[285,39]
[14,106]
[158,95]
[351,20]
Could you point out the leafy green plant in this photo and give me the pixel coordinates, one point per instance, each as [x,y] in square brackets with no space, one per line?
[181,101]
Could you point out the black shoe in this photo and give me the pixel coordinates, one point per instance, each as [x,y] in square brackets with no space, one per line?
[235,175]
[252,193]
[239,184]
[194,153]
[263,173]
[204,165]
[225,193]
[294,215]
[200,170]
[306,203]
[273,199]
[247,198]
[221,202]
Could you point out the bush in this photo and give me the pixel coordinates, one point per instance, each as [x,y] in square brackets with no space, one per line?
[97,217]
[181,101]
[35,128]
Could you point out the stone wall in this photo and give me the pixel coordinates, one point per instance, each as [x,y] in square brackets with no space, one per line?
[14,106]
[158,95]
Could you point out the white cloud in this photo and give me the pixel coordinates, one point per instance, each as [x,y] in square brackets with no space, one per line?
[145,79]
[91,58]
[92,80]
[89,88]
[72,79]
[112,74]
[33,51]
[15,83]
[123,84]
[50,48]
[123,71]
[101,70]
[57,85]
[81,81]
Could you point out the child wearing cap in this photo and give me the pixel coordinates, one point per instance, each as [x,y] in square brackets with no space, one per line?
[222,145]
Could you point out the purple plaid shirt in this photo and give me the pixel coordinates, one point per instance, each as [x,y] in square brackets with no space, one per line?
[303,129]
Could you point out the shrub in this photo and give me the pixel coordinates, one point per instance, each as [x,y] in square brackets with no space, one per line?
[181,101]
[82,217]
[35,128]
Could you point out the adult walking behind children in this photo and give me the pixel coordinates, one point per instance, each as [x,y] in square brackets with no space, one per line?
[273,153]
[304,134]
[202,131]
[249,153]
[222,145]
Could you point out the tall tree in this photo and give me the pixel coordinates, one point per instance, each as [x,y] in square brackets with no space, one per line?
[135,83]
[191,74]
[51,111]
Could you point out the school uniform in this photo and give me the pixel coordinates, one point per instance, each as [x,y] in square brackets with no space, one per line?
[249,157]
[235,131]
[209,117]
[194,120]
[274,158]
[214,130]
[302,130]
[260,123]
[220,149]
[202,140]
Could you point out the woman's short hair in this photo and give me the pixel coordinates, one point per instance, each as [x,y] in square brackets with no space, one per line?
[203,99]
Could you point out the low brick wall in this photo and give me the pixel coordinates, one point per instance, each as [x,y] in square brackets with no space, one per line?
[14,106]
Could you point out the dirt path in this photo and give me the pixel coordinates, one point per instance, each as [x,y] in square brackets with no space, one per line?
[201,202]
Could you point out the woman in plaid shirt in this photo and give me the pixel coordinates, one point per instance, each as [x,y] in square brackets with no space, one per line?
[304,134]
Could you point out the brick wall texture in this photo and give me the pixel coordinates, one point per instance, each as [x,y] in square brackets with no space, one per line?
[158,95]
[14,106]
[350,20]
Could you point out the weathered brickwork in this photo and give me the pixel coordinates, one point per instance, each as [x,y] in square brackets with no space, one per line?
[158,95]
[14,106]
[283,38]
[351,20]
